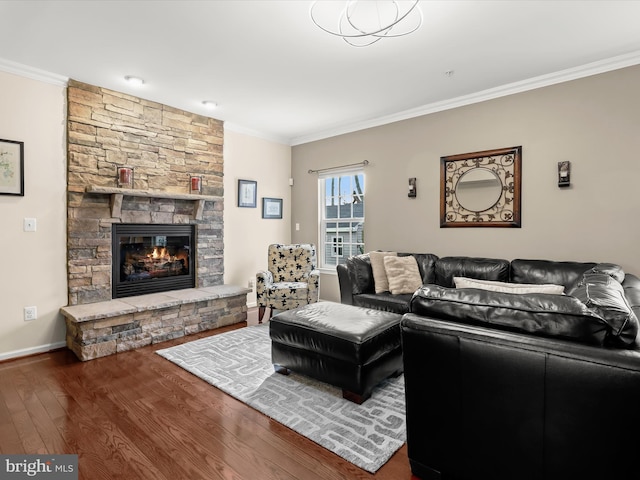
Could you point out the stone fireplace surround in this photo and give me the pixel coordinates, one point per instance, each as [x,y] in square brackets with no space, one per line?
[164,146]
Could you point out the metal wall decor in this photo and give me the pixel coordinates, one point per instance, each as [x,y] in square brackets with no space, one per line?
[481,189]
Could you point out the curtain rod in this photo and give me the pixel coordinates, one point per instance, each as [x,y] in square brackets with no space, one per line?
[364,163]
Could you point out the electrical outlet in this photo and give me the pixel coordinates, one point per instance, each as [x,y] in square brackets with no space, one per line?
[252,283]
[30,313]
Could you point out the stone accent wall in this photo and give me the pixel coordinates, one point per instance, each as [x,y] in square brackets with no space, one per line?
[165,146]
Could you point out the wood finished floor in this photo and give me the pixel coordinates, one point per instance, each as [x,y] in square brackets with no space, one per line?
[135,415]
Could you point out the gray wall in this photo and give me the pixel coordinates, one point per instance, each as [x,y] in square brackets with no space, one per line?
[594,122]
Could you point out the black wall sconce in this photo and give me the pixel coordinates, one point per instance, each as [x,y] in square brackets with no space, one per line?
[412,188]
[564,174]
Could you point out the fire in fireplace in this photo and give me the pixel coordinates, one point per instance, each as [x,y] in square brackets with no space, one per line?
[152,258]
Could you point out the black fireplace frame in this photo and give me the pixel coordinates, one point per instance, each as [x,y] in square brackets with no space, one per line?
[152,285]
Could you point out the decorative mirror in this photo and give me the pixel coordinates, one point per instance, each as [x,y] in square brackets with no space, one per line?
[481,189]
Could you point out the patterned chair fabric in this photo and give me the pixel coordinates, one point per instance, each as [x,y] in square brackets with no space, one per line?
[292,278]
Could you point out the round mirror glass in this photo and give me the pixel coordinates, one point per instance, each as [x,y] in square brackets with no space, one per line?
[478,189]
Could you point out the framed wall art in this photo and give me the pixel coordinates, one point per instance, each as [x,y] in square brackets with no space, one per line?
[11,167]
[271,208]
[247,193]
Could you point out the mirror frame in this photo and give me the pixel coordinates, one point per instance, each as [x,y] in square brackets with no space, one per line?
[506,163]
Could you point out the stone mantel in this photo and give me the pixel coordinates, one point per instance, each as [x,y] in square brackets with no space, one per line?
[117,195]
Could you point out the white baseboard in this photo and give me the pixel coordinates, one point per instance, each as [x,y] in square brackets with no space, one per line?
[32,350]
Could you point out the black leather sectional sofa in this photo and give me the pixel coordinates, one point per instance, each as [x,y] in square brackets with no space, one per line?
[504,386]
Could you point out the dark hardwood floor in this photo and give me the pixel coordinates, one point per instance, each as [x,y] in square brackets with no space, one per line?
[135,415]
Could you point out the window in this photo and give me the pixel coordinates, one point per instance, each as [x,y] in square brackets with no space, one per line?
[341,217]
[337,246]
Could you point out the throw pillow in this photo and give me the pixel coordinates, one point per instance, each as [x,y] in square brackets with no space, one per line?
[403,274]
[380,281]
[504,287]
[605,296]
[614,271]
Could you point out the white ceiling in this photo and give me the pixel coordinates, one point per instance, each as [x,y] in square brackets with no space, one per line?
[276,75]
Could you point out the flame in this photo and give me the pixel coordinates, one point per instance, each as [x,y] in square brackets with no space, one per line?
[159,253]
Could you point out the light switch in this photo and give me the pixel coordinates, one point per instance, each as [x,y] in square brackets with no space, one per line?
[297,226]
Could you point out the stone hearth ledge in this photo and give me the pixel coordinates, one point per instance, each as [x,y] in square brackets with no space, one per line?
[104,328]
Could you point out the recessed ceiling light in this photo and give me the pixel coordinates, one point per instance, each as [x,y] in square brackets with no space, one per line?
[209,104]
[135,81]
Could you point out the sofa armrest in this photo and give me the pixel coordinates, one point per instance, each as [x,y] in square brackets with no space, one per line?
[346,288]
[501,400]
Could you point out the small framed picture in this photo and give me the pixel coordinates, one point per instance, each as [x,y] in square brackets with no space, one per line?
[271,208]
[11,168]
[247,193]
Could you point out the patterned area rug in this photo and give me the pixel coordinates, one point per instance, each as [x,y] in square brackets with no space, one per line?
[239,363]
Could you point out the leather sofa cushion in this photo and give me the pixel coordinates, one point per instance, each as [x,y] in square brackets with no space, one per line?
[472,267]
[384,301]
[540,314]
[567,274]
[426,265]
[361,274]
[604,295]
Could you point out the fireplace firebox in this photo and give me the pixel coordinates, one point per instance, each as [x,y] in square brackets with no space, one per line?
[151,258]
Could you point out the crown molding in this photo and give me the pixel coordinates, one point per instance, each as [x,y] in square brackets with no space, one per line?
[594,68]
[32,73]
[561,76]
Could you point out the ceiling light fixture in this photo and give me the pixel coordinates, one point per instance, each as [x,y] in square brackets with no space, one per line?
[135,81]
[209,104]
[363,22]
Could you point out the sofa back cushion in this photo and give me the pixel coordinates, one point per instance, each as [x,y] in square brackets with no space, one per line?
[361,271]
[542,314]
[471,267]
[426,265]
[567,274]
[361,274]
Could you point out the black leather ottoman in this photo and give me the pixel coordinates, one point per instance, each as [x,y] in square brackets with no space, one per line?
[349,347]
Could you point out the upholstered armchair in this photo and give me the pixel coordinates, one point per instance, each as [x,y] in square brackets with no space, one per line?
[292,278]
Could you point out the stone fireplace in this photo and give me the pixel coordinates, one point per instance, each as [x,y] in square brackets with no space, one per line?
[164,147]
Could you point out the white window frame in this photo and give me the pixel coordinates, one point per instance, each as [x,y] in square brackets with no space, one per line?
[323,242]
